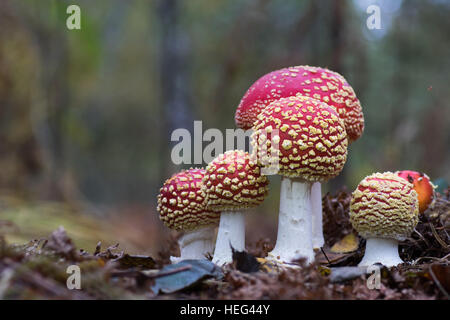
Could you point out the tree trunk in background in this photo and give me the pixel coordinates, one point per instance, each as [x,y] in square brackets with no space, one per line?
[20,154]
[336,31]
[50,132]
[111,35]
[50,106]
[58,100]
[174,76]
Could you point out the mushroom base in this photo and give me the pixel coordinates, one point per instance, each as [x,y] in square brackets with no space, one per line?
[317,220]
[195,244]
[379,250]
[294,238]
[231,234]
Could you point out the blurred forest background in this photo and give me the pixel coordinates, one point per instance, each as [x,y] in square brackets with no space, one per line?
[86,115]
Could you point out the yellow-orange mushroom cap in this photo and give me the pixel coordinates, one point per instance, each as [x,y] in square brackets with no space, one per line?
[384,205]
[422,185]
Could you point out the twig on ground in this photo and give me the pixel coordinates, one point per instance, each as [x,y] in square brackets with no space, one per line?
[438,284]
[438,238]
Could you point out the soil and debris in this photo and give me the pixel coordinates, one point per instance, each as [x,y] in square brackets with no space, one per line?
[38,269]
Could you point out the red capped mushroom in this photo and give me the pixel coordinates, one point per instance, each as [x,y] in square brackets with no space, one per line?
[422,185]
[233,183]
[312,147]
[315,82]
[182,207]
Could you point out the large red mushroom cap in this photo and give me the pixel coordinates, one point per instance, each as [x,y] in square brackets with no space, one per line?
[312,141]
[182,202]
[233,182]
[422,185]
[319,83]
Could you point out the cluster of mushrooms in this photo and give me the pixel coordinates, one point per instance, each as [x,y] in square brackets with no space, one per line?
[305,116]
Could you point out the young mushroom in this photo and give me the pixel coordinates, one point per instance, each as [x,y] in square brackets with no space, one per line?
[384,210]
[182,207]
[315,82]
[312,147]
[233,183]
[423,187]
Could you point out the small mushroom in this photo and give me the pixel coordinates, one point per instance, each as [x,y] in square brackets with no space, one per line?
[182,207]
[315,82]
[233,183]
[423,187]
[312,146]
[384,210]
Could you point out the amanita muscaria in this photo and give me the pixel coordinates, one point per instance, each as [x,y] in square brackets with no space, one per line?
[233,183]
[182,207]
[312,146]
[384,210]
[315,82]
[422,185]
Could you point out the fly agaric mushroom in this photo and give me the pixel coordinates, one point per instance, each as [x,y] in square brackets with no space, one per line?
[315,82]
[182,207]
[422,185]
[233,183]
[384,210]
[313,147]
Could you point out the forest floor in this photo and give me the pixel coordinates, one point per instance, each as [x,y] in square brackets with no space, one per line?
[38,269]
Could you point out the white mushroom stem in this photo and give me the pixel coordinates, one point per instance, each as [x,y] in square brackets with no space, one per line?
[317,224]
[384,251]
[231,233]
[195,244]
[294,239]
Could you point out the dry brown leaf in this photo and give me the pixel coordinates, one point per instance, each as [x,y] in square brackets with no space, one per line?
[347,244]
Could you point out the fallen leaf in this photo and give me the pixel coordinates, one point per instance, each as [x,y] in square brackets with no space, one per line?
[347,244]
[331,259]
[245,261]
[340,274]
[183,275]
[324,271]
[62,245]
[268,266]
[136,261]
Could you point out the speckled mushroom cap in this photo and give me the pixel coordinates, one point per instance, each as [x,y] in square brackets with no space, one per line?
[234,182]
[182,202]
[319,83]
[384,205]
[312,142]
